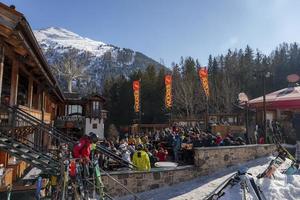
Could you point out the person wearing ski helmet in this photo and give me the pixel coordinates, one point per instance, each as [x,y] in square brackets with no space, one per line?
[83,148]
[141,159]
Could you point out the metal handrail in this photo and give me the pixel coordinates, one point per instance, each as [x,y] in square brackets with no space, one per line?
[33,149]
[31,145]
[68,139]
[105,194]
[123,186]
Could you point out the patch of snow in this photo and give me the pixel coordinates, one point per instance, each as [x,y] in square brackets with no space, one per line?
[32,174]
[282,187]
[132,59]
[289,145]
[114,55]
[61,38]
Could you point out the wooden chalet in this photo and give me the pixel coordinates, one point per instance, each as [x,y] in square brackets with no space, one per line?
[27,85]
[82,115]
[25,77]
[25,81]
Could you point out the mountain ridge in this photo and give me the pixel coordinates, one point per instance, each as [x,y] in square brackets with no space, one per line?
[100,60]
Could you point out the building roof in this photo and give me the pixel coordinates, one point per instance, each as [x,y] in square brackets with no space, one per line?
[77,98]
[285,98]
[16,34]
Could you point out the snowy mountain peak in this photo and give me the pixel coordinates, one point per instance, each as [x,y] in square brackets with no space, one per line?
[60,38]
[100,60]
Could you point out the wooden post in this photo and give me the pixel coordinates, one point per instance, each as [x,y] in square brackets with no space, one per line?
[14,83]
[43,113]
[30,91]
[1,68]
[207,115]
[265,110]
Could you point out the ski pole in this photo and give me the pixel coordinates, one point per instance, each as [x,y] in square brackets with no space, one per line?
[9,189]
[38,188]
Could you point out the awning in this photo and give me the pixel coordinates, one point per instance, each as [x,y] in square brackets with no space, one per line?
[285,98]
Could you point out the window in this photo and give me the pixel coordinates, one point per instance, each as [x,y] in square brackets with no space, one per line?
[94,126]
[73,109]
[96,106]
[22,98]
[35,96]
[96,109]
[6,82]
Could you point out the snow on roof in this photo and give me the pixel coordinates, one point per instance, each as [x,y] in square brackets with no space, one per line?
[286,94]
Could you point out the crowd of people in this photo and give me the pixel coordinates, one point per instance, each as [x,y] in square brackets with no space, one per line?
[172,144]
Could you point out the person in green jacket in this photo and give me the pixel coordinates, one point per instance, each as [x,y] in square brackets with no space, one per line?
[141,159]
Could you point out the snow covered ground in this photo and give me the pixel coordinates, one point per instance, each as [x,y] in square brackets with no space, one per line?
[282,187]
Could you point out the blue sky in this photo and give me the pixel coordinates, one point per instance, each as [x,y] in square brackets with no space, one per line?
[169,29]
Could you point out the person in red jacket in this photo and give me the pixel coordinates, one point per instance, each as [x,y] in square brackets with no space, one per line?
[83,148]
[218,139]
[261,140]
[161,154]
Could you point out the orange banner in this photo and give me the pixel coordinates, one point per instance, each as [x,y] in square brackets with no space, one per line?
[136,94]
[168,97]
[203,74]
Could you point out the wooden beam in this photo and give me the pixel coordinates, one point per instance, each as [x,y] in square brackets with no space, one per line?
[14,82]
[21,51]
[30,91]
[34,56]
[1,68]
[4,31]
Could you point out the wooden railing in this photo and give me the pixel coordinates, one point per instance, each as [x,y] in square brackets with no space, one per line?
[37,113]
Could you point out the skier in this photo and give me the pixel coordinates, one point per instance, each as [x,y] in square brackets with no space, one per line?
[125,152]
[141,159]
[176,146]
[82,149]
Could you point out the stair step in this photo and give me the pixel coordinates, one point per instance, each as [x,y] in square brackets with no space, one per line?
[12,150]
[35,162]
[2,145]
[24,156]
[16,145]
[45,161]
[34,155]
[3,139]
[24,150]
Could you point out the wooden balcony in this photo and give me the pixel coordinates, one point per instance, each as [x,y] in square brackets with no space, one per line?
[70,122]
[37,113]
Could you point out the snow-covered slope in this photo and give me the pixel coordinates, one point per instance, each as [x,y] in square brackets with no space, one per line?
[59,38]
[100,60]
[283,186]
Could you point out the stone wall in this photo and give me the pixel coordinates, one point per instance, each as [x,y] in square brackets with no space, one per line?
[143,181]
[210,159]
[207,160]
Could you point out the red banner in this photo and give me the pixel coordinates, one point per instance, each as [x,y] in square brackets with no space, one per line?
[136,94]
[168,96]
[203,74]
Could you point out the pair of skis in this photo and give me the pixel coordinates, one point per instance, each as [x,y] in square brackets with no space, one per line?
[283,153]
[247,183]
[273,166]
[220,190]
